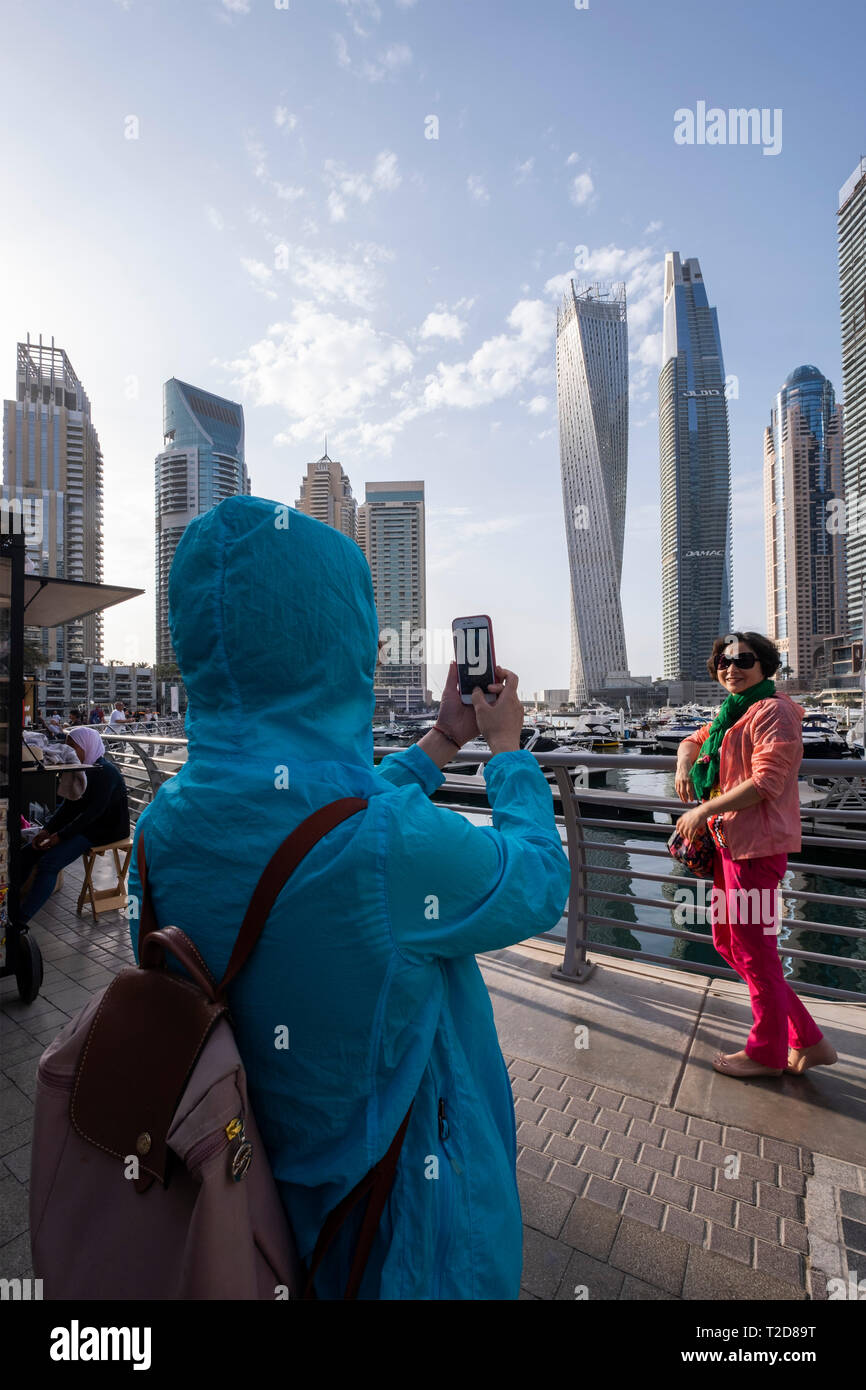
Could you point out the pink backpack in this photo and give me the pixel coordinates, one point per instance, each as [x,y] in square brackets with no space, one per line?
[149,1179]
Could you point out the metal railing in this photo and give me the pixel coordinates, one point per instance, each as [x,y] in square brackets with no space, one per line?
[147,762]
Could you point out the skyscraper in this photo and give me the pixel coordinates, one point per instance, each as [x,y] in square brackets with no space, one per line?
[391,535]
[201,464]
[805,557]
[52,460]
[852,285]
[592,391]
[694,450]
[326,494]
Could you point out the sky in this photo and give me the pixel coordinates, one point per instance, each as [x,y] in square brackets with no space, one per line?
[358,216]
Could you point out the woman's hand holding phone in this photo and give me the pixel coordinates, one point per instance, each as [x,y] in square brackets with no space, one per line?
[500,723]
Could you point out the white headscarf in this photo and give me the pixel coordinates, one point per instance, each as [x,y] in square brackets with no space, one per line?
[88,740]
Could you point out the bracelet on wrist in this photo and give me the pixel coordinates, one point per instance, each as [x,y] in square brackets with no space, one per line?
[447,736]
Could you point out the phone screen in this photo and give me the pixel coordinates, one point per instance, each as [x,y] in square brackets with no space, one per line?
[474,656]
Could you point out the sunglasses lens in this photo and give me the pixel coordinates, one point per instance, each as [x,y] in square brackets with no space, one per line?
[744,662]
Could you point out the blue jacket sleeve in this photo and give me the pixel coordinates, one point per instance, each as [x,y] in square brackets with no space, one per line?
[454,888]
[411,767]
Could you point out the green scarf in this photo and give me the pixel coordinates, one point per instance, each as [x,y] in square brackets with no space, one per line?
[705,772]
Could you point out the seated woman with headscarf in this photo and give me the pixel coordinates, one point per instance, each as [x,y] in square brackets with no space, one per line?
[99,816]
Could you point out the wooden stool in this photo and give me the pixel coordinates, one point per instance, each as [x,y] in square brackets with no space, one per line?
[106,898]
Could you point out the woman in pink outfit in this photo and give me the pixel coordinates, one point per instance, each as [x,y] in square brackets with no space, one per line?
[744,769]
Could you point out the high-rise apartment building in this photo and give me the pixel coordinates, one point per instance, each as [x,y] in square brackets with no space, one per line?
[695,459]
[391,535]
[201,465]
[852,285]
[326,494]
[805,552]
[52,466]
[592,392]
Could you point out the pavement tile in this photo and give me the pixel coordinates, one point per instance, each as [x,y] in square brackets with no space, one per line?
[524,1090]
[780,1152]
[704,1129]
[544,1263]
[14,1209]
[573,1086]
[711,1277]
[714,1206]
[559,1123]
[613,1120]
[544,1206]
[621,1146]
[532,1136]
[14,1107]
[565,1175]
[671,1190]
[735,1245]
[18,1163]
[588,1279]
[783,1203]
[596,1162]
[657,1257]
[640,1207]
[556,1100]
[610,1100]
[853,1204]
[529,1161]
[787,1265]
[740,1140]
[764,1169]
[643,1109]
[634,1290]
[15,1258]
[607,1194]
[692,1170]
[549,1078]
[670,1119]
[525,1069]
[591,1227]
[795,1236]
[685,1225]
[685,1144]
[663,1161]
[584,1133]
[646,1132]
[584,1109]
[632,1175]
[792,1180]
[565,1149]
[528,1110]
[744,1189]
[756,1222]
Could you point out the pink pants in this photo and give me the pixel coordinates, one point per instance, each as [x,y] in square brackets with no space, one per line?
[744,934]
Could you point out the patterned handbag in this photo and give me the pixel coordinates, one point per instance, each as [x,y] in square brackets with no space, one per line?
[698,855]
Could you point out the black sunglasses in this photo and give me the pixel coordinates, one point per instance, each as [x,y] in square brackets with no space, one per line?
[744,662]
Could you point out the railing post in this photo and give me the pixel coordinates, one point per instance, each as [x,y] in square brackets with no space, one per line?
[575,967]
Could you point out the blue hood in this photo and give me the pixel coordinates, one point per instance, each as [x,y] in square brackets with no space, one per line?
[274,626]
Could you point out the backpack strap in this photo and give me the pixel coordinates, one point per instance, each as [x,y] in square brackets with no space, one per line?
[282,864]
[378,1183]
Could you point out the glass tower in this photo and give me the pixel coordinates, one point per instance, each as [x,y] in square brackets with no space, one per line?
[805,552]
[694,451]
[201,464]
[852,285]
[391,535]
[592,394]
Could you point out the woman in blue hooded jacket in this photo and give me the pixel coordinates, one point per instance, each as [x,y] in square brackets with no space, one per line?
[368,956]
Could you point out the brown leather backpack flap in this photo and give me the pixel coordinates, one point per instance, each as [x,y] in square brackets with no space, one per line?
[140,1051]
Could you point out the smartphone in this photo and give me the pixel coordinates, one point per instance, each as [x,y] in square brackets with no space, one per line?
[474,654]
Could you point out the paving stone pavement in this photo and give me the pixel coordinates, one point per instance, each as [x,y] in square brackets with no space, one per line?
[622,1199]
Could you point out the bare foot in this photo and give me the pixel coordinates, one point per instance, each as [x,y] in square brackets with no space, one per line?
[820,1054]
[741,1064]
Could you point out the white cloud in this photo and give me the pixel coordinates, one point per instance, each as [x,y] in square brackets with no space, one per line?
[284,118]
[256,269]
[582,189]
[651,228]
[523,170]
[320,367]
[237,6]
[215,218]
[326,275]
[388,61]
[442,325]
[477,189]
[538,405]
[289,192]
[258,158]
[499,366]
[573,157]
[345,185]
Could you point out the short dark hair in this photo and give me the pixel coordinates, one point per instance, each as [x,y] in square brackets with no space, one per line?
[766,651]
